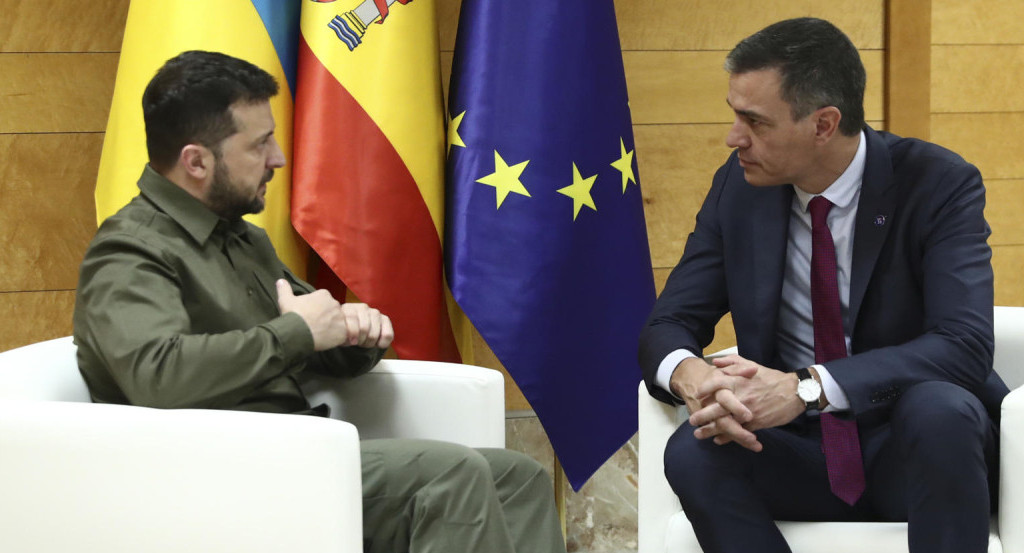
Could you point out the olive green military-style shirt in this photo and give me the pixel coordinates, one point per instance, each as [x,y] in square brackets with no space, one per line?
[177,308]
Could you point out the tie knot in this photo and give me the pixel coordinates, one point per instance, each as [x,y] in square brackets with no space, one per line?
[819,208]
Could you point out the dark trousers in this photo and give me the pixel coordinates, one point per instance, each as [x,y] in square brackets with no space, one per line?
[929,465]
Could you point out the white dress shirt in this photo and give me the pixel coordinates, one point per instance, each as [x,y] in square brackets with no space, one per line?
[796,322]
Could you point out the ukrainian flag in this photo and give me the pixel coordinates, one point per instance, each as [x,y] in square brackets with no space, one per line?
[263,32]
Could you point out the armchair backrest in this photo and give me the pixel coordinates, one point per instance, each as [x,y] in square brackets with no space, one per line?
[1009,355]
[81,476]
[46,371]
[398,399]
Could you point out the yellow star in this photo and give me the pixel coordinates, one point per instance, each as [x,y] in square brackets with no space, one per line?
[579,191]
[505,179]
[625,166]
[453,132]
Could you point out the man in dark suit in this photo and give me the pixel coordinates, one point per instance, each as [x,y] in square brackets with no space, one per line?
[856,269]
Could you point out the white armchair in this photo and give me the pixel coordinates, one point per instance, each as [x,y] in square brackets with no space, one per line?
[77,476]
[664,528]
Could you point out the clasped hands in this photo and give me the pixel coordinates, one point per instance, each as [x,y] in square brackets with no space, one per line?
[734,397]
[336,324]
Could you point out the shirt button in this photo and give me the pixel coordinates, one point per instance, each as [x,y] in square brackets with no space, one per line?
[249,290]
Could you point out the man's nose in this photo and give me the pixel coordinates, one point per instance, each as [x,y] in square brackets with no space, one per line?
[737,136]
[276,159]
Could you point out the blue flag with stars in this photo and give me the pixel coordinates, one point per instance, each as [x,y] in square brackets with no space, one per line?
[546,246]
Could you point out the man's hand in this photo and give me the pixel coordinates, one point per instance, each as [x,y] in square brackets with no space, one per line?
[769,395]
[691,382]
[333,324]
[366,326]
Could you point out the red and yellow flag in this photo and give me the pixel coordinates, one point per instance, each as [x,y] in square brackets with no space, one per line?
[368,169]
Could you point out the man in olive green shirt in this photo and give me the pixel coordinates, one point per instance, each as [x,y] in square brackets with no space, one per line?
[182,304]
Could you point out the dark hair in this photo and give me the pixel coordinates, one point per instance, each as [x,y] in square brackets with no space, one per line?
[188,101]
[818,64]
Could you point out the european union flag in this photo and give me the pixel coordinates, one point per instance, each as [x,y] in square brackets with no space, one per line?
[545,237]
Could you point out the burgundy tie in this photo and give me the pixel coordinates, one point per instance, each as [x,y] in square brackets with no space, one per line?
[839,439]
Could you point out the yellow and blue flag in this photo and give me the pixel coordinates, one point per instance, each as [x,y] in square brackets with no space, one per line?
[546,243]
[263,32]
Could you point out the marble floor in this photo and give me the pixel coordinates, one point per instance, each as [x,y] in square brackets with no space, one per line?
[602,516]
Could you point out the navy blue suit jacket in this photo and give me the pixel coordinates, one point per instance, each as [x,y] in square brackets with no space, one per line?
[921,284]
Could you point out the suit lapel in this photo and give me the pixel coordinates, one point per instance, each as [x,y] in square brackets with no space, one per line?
[770,229]
[874,219]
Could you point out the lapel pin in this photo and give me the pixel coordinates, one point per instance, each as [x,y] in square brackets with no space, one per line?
[879,220]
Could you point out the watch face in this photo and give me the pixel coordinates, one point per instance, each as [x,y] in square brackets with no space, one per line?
[808,389]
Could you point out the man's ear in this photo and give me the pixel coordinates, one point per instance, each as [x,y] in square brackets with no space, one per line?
[197,161]
[826,123]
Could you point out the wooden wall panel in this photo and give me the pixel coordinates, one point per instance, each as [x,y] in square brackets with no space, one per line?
[706,25]
[1003,212]
[446,74]
[992,141]
[30,317]
[725,334]
[978,78]
[977,22]
[978,110]
[908,67]
[673,184]
[48,215]
[1008,265]
[447,22]
[62,25]
[56,92]
[690,87]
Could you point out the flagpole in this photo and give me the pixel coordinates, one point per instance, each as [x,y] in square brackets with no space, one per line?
[462,328]
[559,480]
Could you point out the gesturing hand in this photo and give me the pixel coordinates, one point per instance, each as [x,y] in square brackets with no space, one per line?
[366,326]
[333,324]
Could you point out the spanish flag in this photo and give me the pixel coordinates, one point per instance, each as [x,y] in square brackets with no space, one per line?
[369,160]
[263,32]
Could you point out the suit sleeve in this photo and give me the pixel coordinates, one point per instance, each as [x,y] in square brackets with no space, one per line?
[956,296]
[695,296]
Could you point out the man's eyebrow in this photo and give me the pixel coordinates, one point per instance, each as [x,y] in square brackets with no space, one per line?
[746,112]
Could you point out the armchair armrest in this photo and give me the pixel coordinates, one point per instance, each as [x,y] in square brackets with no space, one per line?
[418,399]
[122,478]
[656,503]
[1011,472]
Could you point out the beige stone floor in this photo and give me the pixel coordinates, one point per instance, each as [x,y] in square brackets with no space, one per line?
[601,517]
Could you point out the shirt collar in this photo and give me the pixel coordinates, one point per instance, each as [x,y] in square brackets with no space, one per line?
[179,205]
[841,192]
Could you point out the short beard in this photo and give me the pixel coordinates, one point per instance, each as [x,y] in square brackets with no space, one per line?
[224,198]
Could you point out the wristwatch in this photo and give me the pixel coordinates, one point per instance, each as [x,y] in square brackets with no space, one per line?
[808,389]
